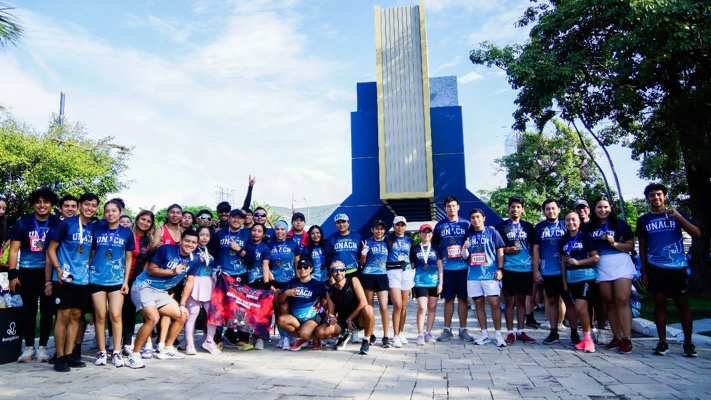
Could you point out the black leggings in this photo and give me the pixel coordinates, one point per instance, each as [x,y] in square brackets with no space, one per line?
[128,316]
[32,287]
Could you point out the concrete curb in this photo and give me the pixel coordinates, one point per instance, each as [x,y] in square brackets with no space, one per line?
[649,328]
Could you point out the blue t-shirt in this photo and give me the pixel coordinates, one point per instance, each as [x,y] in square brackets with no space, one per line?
[399,250]
[522,236]
[449,238]
[74,249]
[34,237]
[230,261]
[548,237]
[482,254]
[425,260]
[207,262]
[376,258]
[314,253]
[254,256]
[578,248]
[304,305]
[168,257]
[615,227]
[344,248]
[281,260]
[665,244]
[105,270]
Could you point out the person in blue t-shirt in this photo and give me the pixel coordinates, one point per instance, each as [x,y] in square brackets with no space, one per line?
[517,281]
[314,252]
[257,256]
[427,263]
[168,266]
[297,233]
[28,237]
[109,270]
[546,270]
[401,276]
[283,257]
[578,273]
[484,252]
[373,277]
[448,237]
[344,245]
[305,296]
[664,264]
[68,253]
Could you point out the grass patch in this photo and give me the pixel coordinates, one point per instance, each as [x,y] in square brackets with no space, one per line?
[700,308]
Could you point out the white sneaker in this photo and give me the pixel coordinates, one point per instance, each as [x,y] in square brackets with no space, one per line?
[117,360]
[134,361]
[169,353]
[280,344]
[259,344]
[562,327]
[190,350]
[287,344]
[545,325]
[355,338]
[211,347]
[420,341]
[429,338]
[42,355]
[100,358]
[500,342]
[402,338]
[26,355]
[483,340]
[397,343]
[600,338]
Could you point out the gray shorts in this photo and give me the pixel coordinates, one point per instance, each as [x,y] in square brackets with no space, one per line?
[145,296]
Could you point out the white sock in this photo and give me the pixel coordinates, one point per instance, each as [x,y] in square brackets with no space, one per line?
[498,334]
[485,333]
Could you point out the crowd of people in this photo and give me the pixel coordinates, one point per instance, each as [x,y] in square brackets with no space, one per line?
[72,264]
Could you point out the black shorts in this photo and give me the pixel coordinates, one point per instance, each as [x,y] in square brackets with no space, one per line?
[277,285]
[317,319]
[425,292]
[376,283]
[343,324]
[241,278]
[553,285]
[176,292]
[68,296]
[581,290]
[257,284]
[94,288]
[454,284]
[517,283]
[672,282]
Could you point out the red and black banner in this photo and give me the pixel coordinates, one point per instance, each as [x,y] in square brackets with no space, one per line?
[241,307]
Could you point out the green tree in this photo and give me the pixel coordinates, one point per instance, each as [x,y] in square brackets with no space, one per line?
[639,68]
[547,165]
[65,159]
[10,30]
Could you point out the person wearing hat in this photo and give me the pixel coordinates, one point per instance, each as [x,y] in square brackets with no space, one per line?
[373,277]
[283,257]
[304,296]
[297,233]
[583,209]
[401,276]
[344,245]
[427,263]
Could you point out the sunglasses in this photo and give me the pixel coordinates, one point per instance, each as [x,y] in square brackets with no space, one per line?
[302,266]
[205,218]
[337,270]
[260,215]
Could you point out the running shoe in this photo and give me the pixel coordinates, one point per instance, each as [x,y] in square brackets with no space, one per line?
[553,337]
[500,342]
[510,339]
[625,347]
[232,338]
[464,335]
[355,338]
[342,341]
[183,344]
[483,340]
[117,360]
[545,325]
[146,353]
[299,344]
[259,344]
[53,359]
[589,345]
[76,353]
[690,350]
[364,347]
[159,347]
[386,342]
[246,347]
[562,327]
[74,363]
[525,338]
[27,355]
[286,345]
[61,365]
[429,338]
[446,335]
[169,353]
[126,350]
[403,340]
[396,342]
[581,345]
[661,349]
[318,345]
[614,343]
[134,361]
[42,354]
[420,341]
[100,358]
[600,336]
[190,350]
[532,323]
[373,339]
[211,347]
[574,337]
[280,343]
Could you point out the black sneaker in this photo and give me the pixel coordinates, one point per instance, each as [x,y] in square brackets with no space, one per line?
[76,354]
[364,347]
[373,339]
[52,360]
[532,324]
[553,337]
[662,348]
[690,350]
[574,337]
[231,337]
[61,365]
[386,342]
[342,341]
[74,363]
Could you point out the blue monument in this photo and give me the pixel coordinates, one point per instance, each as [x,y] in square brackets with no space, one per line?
[407,138]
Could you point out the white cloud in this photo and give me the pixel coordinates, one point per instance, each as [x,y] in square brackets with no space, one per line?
[470,77]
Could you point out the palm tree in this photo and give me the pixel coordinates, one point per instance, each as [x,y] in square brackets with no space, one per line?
[10,31]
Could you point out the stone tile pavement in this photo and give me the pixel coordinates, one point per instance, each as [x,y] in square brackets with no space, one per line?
[446,370]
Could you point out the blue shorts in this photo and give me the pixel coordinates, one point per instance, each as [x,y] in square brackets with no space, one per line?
[454,284]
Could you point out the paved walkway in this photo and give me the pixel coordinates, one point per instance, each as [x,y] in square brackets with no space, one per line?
[453,369]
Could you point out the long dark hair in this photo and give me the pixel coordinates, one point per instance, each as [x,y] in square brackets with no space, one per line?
[595,220]
[311,244]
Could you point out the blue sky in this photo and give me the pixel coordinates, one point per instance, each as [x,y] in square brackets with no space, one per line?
[209,92]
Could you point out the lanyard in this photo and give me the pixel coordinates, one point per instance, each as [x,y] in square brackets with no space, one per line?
[426,254]
[605,227]
[182,260]
[551,229]
[515,228]
[81,232]
[205,254]
[41,232]
[572,243]
[111,237]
